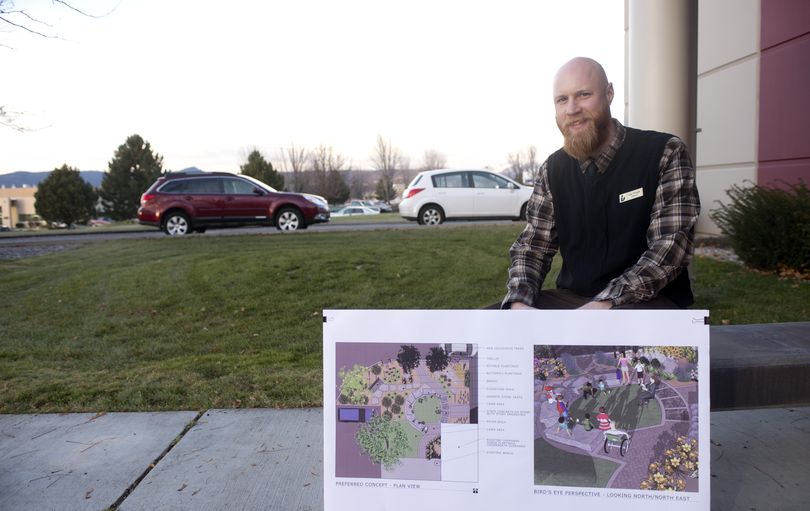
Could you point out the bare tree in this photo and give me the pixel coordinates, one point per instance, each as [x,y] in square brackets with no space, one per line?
[433,159]
[357,185]
[523,166]
[19,19]
[322,160]
[294,162]
[8,119]
[387,159]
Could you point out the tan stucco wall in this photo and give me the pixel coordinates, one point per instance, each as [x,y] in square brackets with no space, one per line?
[15,202]
[727,98]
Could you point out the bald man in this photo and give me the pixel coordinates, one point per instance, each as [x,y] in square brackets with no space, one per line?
[620,205]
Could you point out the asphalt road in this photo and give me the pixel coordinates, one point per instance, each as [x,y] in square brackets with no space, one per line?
[89,237]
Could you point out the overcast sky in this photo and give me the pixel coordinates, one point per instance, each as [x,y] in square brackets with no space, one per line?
[204,82]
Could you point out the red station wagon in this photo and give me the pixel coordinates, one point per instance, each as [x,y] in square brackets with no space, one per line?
[179,203]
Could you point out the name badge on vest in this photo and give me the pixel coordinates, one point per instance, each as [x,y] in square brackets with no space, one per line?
[632,194]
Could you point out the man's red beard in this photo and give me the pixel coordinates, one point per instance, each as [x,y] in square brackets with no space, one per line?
[585,142]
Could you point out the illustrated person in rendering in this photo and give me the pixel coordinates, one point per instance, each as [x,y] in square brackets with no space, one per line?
[602,386]
[624,366]
[587,424]
[620,204]
[603,419]
[639,367]
[562,406]
[648,392]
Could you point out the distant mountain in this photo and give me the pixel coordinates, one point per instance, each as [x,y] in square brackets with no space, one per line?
[30,179]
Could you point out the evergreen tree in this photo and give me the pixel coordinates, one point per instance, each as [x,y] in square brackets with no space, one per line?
[337,191]
[65,197]
[385,188]
[261,169]
[132,170]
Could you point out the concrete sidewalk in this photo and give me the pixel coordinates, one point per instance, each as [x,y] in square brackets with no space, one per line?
[267,459]
[220,459]
[272,459]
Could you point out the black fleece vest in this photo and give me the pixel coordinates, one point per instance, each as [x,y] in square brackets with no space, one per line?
[602,220]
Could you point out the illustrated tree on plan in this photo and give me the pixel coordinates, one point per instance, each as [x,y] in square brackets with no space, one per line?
[408,357]
[383,440]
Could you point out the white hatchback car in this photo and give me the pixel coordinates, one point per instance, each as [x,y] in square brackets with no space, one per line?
[438,195]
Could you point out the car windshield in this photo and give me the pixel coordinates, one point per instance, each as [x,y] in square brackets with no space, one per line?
[258,183]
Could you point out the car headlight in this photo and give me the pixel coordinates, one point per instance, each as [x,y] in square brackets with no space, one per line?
[317,200]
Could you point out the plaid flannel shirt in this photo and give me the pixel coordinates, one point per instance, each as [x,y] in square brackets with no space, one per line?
[669,237]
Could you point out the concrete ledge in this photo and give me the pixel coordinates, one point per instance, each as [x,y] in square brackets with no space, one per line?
[760,365]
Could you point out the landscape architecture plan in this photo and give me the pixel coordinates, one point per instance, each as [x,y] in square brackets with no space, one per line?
[483,408]
[395,413]
[615,433]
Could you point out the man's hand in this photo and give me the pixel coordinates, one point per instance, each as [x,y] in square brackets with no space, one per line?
[520,306]
[597,305]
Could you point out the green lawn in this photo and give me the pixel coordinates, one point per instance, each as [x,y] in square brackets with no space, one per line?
[555,467]
[414,437]
[622,403]
[428,409]
[235,321]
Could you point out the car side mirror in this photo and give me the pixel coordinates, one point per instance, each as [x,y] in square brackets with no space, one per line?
[258,191]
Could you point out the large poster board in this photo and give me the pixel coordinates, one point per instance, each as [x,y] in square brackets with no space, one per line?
[470,409]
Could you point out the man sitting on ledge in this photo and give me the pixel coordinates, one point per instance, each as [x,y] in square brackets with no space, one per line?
[620,204]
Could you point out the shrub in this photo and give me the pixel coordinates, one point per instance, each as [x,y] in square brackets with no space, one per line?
[680,462]
[433,449]
[769,228]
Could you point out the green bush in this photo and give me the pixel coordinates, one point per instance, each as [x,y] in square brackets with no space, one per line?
[769,228]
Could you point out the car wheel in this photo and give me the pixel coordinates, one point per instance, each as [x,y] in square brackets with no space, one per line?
[431,215]
[176,224]
[289,219]
[523,211]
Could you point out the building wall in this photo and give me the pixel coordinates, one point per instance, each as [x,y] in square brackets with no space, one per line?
[15,202]
[784,82]
[753,104]
[728,61]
